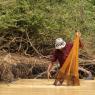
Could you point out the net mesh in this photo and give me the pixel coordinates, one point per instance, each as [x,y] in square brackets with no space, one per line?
[69,70]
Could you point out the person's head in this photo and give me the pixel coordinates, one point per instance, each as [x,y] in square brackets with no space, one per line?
[59,43]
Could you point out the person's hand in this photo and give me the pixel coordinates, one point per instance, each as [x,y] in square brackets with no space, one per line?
[78,34]
[48,74]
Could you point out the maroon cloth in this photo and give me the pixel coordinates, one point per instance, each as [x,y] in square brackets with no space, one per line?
[62,55]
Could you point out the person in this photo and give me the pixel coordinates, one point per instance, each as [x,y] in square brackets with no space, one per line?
[60,54]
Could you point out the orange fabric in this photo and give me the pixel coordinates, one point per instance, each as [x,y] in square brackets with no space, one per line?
[69,70]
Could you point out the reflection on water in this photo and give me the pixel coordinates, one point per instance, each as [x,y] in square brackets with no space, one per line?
[45,87]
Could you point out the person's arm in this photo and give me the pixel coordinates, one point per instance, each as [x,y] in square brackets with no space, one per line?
[53,58]
[81,45]
[49,69]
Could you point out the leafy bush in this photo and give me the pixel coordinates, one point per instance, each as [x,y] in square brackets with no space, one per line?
[44,21]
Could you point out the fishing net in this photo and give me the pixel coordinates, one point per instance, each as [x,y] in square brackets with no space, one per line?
[69,70]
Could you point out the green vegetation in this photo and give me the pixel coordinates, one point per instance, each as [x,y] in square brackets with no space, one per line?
[44,21]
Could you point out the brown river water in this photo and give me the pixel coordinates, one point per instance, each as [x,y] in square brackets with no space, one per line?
[45,87]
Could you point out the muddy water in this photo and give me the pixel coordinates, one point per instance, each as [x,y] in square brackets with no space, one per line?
[45,87]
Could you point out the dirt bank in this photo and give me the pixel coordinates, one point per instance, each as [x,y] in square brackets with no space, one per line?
[14,66]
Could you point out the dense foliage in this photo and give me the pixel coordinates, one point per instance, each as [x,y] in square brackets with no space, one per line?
[42,21]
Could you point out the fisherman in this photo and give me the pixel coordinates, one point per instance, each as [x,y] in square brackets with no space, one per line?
[60,54]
